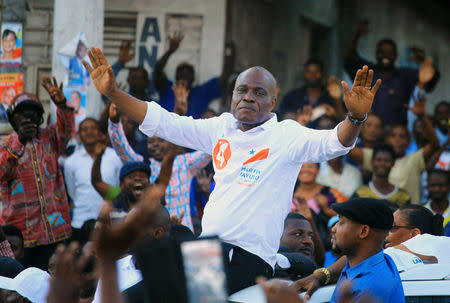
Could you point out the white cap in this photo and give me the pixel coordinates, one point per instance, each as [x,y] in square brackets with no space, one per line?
[32,283]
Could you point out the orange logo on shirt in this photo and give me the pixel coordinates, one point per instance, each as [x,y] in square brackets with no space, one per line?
[221,153]
[259,156]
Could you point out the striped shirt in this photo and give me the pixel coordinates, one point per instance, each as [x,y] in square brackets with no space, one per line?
[185,168]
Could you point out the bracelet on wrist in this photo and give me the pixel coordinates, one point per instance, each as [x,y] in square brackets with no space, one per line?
[325,272]
[355,121]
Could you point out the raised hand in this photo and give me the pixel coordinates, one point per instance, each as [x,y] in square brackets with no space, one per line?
[175,40]
[418,107]
[112,241]
[333,88]
[181,92]
[359,100]
[177,220]
[304,115]
[204,181]
[101,72]
[302,207]
[125,53]
[114,113]
[363,28]
[55,91]
[426,72]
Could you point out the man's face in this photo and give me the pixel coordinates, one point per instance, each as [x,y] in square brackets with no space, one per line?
[133,185]
[137,80]
[313,75]
[382,164]
[398,137]
[442,116]
[156,147]
[253,97]
[9,43]
[81,50]
[386,56]
[89,132]
[400,233]
[437,187]
[8,296]
[344,236]
[16,246]
[26,120]
[372,130]
[185,73]
[298,237]
[8,95]
[75,100]
[308,173]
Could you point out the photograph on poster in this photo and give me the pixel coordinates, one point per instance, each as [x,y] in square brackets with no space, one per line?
[76,97]
[10,86]
[11,44]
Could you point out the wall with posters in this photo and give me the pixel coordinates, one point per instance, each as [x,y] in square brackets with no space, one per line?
[203,25]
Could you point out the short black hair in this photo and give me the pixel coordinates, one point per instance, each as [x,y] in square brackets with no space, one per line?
[423,219]
[89,119]
[295,216]
[384,148]
[6,32]
[139,68]
[444,173]
[387,41]
[12,231]
[400,126]
[314,61]
[442,103]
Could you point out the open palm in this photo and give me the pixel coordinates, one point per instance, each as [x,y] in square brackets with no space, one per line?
[101,72]
[359,99]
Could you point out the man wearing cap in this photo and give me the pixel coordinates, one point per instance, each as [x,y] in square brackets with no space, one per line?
[359,235]
[32,188]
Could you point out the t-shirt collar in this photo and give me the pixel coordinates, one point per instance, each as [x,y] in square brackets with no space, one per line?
[364,266]
[265,126]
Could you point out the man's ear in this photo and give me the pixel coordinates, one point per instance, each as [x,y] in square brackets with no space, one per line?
[158,233]
[274,102]
[364,231]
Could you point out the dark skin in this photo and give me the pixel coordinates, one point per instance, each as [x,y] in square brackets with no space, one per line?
[371,131]
[438,187]
[16,246]
[298,237]
[382,164]
[89,134]
[358,100]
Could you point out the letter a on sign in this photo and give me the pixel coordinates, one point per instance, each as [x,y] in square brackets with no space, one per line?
[150,29]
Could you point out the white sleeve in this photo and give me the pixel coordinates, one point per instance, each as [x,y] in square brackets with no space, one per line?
[429,245]
[185,131]
[311,145]
[69,179]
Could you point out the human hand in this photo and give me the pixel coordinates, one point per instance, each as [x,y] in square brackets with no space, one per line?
[69,274]
[302,208]
[304,115]
[125,53]
[181,92]
[426,72]
[114,113]
[346,294]
[177,220]
[55,92]
[309,284]
[418,107]
[101,72]
[112,241]
[277,291]
[175,40]
[363,28]
[204,181]
[359,100]
[334,89]
[418,54]
[100,148]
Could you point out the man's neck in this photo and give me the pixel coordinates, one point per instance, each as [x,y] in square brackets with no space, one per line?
[313,93]
[382,185]
[361,256]
[90,149]
[439,207]
[245,127]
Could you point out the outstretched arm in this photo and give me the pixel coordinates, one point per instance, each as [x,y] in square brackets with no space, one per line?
[96,176]
[358,102]
[103,77]
[174,43]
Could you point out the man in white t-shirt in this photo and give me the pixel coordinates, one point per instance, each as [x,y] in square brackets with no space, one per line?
[256,158]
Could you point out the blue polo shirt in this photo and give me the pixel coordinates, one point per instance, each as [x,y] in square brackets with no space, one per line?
[377,276]
[199,97]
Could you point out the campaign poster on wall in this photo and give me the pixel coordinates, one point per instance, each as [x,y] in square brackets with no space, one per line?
[10,86]
[11,44]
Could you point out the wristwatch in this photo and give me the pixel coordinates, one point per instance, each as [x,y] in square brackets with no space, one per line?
[356,122]
[324,271]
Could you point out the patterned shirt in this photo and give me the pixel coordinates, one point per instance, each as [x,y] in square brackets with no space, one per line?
[34,197]
[185,168]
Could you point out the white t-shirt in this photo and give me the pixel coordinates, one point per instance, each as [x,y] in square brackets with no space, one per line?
[430,245]
[255,171]
[402,259]
[347,182]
